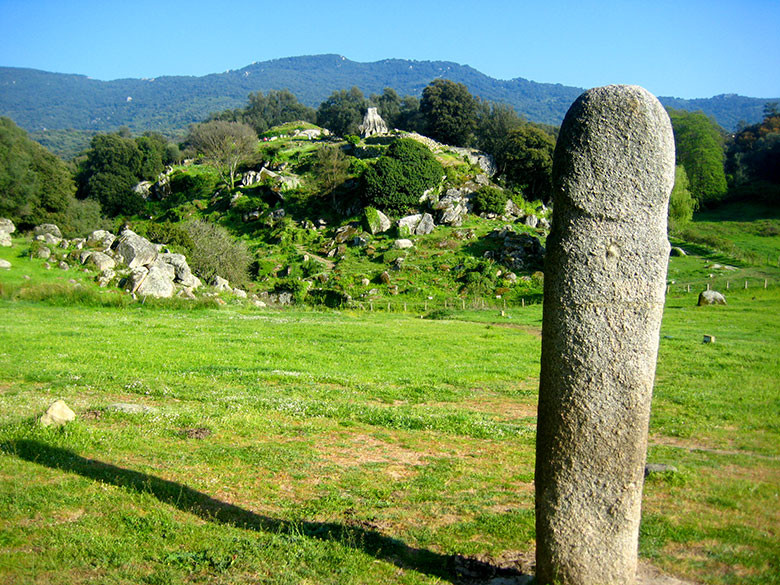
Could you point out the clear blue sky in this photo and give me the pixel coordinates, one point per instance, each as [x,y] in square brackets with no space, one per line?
[682,48]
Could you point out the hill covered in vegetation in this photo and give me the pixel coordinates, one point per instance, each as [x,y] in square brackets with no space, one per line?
[49,103]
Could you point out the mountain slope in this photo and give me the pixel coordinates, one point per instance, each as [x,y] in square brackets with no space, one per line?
[38,100]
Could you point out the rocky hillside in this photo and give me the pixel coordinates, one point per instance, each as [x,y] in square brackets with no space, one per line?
[306,247]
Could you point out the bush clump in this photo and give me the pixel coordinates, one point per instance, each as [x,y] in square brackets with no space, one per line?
[400,177]
[214,252]
[189,186]
[489,200]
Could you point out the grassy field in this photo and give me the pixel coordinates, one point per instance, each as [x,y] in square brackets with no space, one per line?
[301,446]
[308,447]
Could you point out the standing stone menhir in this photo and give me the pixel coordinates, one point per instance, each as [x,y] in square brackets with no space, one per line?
[604,286]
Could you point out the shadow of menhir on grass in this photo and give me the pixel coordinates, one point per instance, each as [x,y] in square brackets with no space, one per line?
[451,568]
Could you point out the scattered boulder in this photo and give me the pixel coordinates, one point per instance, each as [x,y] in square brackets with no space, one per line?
[345,233]
[157,283]
[373,124]
[240,293]
[186,293]
[289,182]
[360,241]
[652,468]
[376,221]
[135,278]
[426,225]
[105,277]
[48,238]
[475,157]
[166,268]
[83,256]
[677,251]
[512,209]
[403,244]
[63,265]
[385,277]
[101,261]
[281,298]
[57,415]
[711,297]
[144,189]
[44,253]
[531,221]
[310,133]
[7,226]
[47,228]
[4,264]
[417,225]
[221,284]
[182,272]
[135,250]
[453,207]
[100,239]
[519,251]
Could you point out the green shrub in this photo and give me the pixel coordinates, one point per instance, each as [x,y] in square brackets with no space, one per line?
[172,234]
[440,314]
[489,200]
[187,186]
[215,253]
[398,179]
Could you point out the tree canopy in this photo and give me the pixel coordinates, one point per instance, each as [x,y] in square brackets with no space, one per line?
[449,112]
[699,143]
[402,113]
[36,186]
[526,161]
[265,111]
[224,145]
[343,111]
[754,152]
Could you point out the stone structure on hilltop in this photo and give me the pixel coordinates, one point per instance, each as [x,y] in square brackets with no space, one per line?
[373,124]
[604,287]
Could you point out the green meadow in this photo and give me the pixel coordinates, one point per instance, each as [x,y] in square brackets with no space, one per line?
[303,446]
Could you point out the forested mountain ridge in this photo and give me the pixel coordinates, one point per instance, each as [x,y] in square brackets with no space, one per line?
[40,101]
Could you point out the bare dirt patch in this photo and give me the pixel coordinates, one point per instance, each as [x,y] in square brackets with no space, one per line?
[196,433]
[500,405]
[364,449]
[691,445]
[530,329]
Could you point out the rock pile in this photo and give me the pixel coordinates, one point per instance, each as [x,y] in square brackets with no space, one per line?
[518,251]
[137,264]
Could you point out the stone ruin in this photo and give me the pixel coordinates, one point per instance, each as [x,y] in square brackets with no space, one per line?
[373,124]
[604,286]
